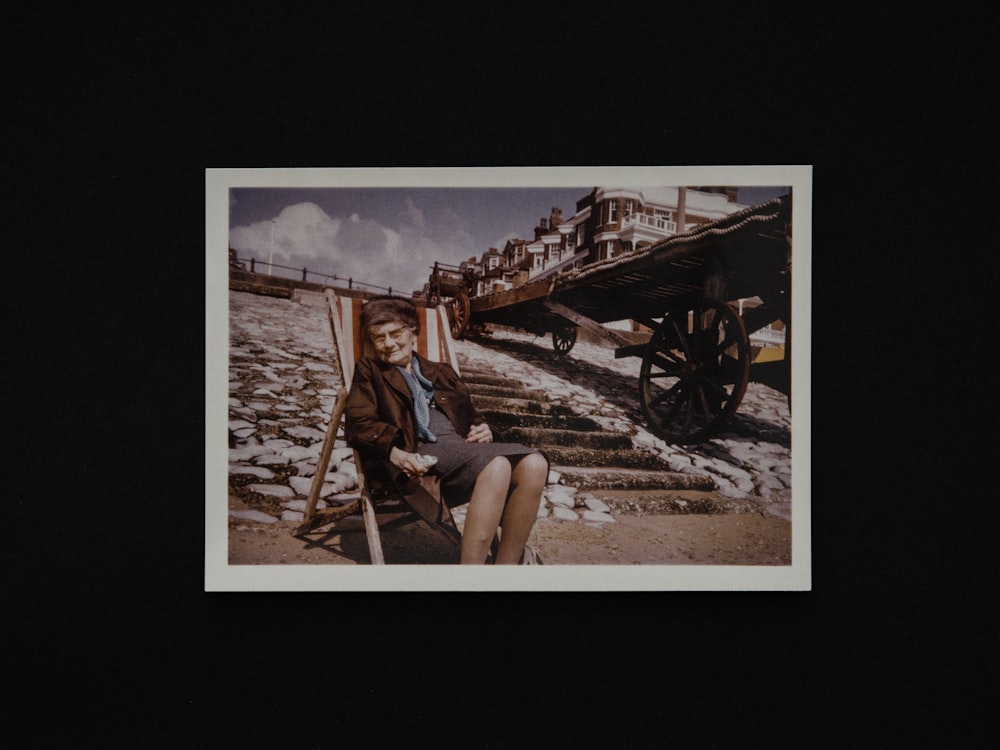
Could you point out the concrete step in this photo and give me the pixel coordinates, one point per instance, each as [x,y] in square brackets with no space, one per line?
[587,457]
[611,478]
[630,459]
[505,419]
[520,405]
[482,378]
[499,391]
[543,438]
[676,502]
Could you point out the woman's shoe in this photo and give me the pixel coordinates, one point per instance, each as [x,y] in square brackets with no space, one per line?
[530,556]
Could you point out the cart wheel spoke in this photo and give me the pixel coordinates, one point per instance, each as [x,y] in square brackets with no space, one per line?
[682,337]
[459,309]
[692,356]
[670,393]
[670,368]
[718,391]
[706,408]
[688,417]
[563,339]
[728,340]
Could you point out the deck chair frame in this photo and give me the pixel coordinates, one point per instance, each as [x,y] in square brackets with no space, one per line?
[434,343]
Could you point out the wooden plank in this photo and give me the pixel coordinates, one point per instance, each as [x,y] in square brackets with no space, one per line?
[447,343]
[530,291]
[371,523]
[634,350]
[326,516]
[586,323]
[324,456]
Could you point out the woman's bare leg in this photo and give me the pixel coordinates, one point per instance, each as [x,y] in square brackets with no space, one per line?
[527,482]
[486,507]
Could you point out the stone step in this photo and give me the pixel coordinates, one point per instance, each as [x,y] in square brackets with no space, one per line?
[499,391]
[491,379]
[520,405]
[543,438]
[630,459]
[611,478]
[675,502]
[506,419]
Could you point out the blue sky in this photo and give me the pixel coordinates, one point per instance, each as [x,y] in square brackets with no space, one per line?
[390,237]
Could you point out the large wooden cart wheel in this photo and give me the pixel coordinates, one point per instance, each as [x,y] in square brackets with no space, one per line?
[563,338]
[459,310]
[694,372]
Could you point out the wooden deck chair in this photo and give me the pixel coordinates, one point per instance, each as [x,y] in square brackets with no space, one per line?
[434,343]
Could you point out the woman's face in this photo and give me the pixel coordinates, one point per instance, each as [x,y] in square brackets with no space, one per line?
[393,342]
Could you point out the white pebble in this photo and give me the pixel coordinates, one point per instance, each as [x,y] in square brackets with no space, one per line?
[271,458]
[300,505]
[564,514]
[561,495]
[261,472]
[276,490]
[252,515]
[596,504]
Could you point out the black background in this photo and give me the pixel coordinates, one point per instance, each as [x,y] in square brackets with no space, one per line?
[108,634]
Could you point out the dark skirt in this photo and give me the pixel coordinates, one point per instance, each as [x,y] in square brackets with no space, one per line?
[459,462]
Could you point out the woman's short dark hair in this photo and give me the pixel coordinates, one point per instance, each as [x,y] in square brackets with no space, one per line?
[381,310]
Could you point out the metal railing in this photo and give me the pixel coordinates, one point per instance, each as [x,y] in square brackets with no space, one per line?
[653,222]
[252,265]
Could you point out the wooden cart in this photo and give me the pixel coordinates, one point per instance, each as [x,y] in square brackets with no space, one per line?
[682,292]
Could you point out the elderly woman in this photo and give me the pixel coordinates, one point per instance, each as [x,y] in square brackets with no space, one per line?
[402,408]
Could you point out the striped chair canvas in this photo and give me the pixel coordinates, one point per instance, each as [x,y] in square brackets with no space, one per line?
[434,343]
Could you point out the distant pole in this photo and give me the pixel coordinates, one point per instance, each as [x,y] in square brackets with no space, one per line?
[270,258]
[681,209]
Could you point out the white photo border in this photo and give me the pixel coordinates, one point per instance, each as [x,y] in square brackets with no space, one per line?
[221,576]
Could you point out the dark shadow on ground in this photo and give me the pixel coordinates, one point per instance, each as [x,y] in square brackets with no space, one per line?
[623,391]
[404,541]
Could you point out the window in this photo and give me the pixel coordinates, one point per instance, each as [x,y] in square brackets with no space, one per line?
[629,207]
[581,233]
[612,211]
[611,249]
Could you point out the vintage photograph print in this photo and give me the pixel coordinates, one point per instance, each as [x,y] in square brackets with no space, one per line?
[573,378]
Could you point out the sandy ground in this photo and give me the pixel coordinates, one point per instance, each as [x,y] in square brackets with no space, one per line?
[699,539]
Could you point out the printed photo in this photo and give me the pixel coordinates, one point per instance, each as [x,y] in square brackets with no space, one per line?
[567,378]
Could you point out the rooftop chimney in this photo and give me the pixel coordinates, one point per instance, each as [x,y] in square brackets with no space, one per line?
[542,228]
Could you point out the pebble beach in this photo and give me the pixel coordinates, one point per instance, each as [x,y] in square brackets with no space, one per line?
[284,378]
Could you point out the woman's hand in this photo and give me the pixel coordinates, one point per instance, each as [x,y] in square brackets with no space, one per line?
[409,463]
[480,433]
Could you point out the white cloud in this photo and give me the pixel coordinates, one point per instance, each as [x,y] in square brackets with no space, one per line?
[303,235]
[302,231]
[415,215]
[501,243]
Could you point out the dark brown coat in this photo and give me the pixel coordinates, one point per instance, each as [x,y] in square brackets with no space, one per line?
[379,416]
[379,408]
